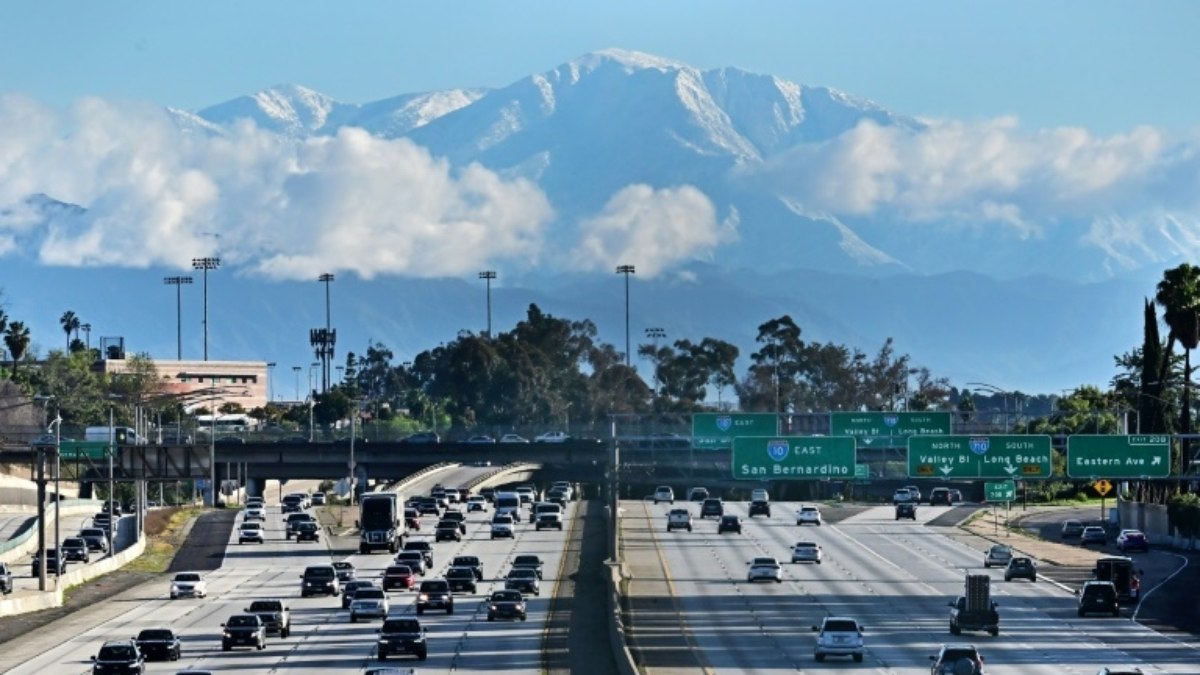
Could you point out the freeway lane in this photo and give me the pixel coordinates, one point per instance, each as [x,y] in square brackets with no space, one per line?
[323,640]
[895,577]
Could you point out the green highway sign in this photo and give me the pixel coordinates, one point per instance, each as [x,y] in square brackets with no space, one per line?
[83,449]
[862,471]
[716,431]
[793,457]
[979,456]
[875,424]
[1134,456]
[1003,491]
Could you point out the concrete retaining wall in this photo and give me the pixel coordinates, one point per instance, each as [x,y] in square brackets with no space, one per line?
[616,630]
[25,543]
[20,603]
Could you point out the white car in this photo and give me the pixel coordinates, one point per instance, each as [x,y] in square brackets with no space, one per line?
[901,496]
[188,584]
[368,603]
[476,503]
[502,526]
[552,437]
[664,494]
[513,438]
[452,496]
[765,569]
[839,636]
[250,531]
[254,513]
[806,551]
[808,515]
[760,495]
[998,555]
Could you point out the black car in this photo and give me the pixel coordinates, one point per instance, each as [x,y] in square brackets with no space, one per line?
[447,530]
[319,580]
[352,587]
[435,594]
[729,524]
[461,579]
[523,579]
[712,506]
[908,510]
[957,660]
[940,495]
[760,508]
[428,506]
[244,630]
[53,562]
[308,531]
[1020,568]
[119,656]
[506,605]
[471,561]
[458,517]
[1098,597]
[402,636]
[159,643]
[75,549]
[531,561]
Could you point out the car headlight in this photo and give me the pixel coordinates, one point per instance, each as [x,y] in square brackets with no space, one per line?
[228,634]
[424,596]
[494,607]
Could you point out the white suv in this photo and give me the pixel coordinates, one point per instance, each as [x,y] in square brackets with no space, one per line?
[502,526]
[839,636]
[664,494]
[808,515]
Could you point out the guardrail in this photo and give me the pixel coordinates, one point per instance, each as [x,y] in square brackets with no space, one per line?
[24,543]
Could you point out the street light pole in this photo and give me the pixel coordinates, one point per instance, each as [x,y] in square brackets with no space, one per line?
[296,370]
[206,264]
[177,282]
[112,450]
[488,275]
[270,381]
[324,341]
[626,270]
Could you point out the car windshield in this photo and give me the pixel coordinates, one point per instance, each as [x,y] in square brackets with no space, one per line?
[399,571]
[73,542]
[841,626]
[401,626]
[526,560]
[806,544]
[1001,550]
[342,565]
[463,561]
[242,621]
[434,586]
[266,606]
[765,561]
[522,573]
[369,594]
[354,586]
[319,572]
[506,596]
[187,577]
[92,532]
[460,572]
[155,634]
[116,653]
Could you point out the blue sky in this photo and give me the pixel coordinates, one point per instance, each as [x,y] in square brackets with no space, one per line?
[1107,66]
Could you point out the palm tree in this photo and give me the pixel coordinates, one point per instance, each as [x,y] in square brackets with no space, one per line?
[1179,295]
[70,324]
[16,338]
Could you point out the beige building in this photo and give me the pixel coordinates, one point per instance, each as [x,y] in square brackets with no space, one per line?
[208,384]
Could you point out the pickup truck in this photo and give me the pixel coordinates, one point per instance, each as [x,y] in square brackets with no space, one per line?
[274,614]
[6,579]
[679,519]
[975,610]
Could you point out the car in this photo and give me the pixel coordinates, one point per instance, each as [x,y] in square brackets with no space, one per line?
[547,515]
[276,616]
[424,547]
[75,549]
[948,658]
[293,520]
[429,507]
[513,438]
[760,495]
[940,495]
[901,496]
[458,517]
[351,587]
[679,519]
[461,579]
[527,494]
[806,551]
[565,487]
[1093,534]
[697,494]
[530,561]
[1127,540]
[488,493]
[506,605]
[764,569]
[159,643]
[368,603]
[318,499]
[729,523]
[6,579]
[250,531]
[319,580]
[414,560]
[915,492]
[96,538]
[1021,568]
[243,630]
[412,519]
[1120,671]
[435,594]
[254,513]
[955,496]
[53,562]
[552,437]
[558,496]
[401,635]
[502,526]
[345,570]
[906,510]
[664,493]
[1071,529]
[998,555]
[398,577]
[481,439]
[188,585]
[808,515]
[712,506]
[422,438]
[119,656]
[308,531]
[760,507]
[1098,597]
[470,561]
[292,504]
[447,530]
[452,495]
[476,503]
[839,636]
[523,579]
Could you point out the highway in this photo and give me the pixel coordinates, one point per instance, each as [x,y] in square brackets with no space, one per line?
[895,577]
[323,640]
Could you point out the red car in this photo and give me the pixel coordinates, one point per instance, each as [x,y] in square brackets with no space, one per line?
[398,577]
[412,519]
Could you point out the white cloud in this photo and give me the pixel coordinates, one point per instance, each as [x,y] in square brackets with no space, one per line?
[651,229]
[282,208]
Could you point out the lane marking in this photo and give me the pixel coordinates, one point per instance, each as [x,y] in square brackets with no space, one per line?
[687,631]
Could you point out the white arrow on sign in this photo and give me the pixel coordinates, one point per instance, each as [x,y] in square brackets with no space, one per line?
[1010,469]
[946,469]
[1156,461]
[867,440]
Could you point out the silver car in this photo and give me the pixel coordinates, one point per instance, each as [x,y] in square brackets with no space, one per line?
[368,603]
[998,555]
[806,552]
